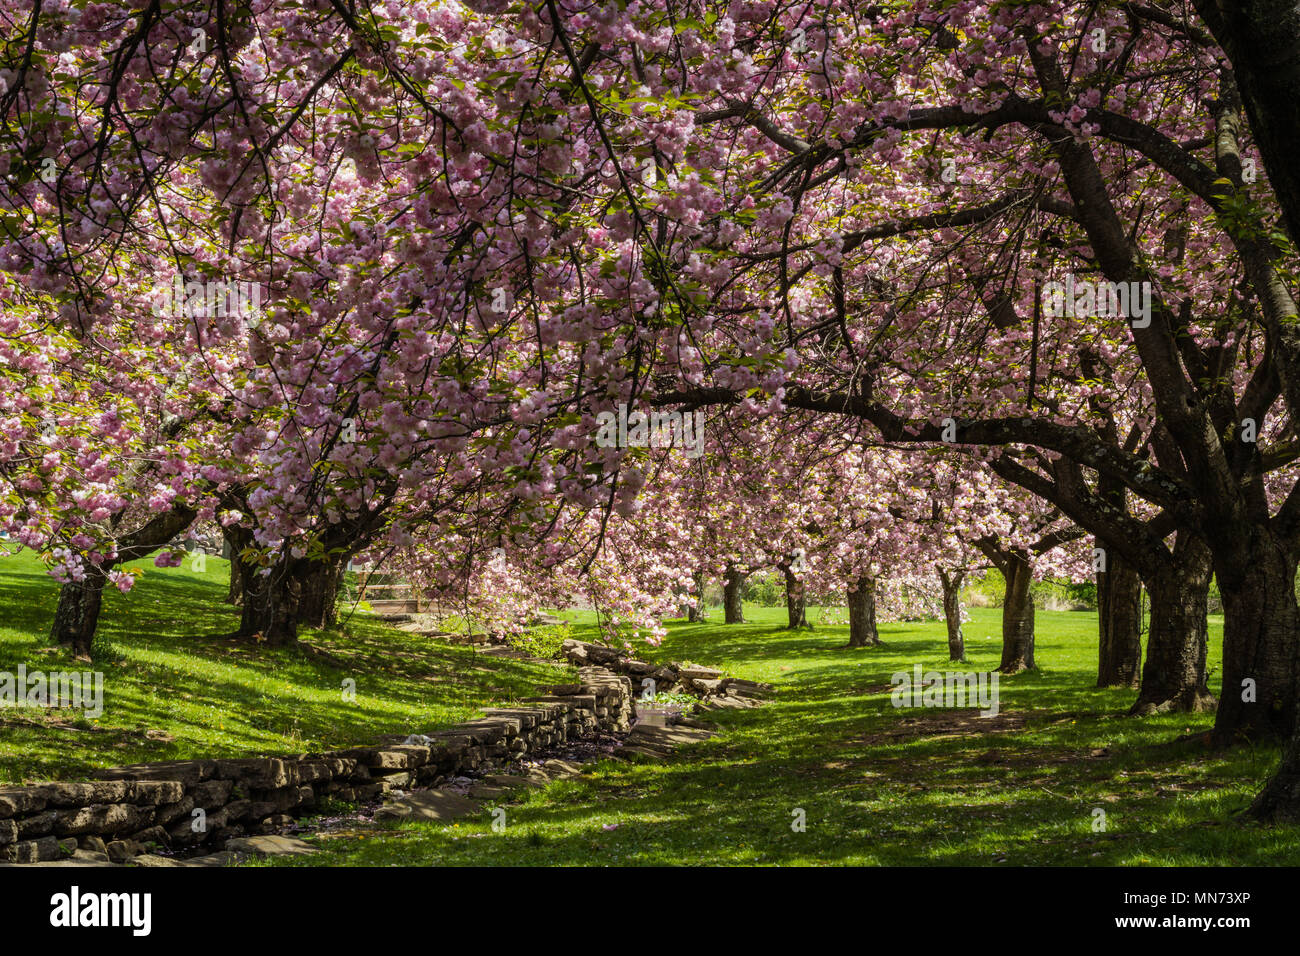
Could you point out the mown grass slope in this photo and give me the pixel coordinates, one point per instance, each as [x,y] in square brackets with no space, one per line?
[882,785]
[176,687]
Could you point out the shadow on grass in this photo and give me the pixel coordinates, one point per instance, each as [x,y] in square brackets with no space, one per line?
[175,689]
[1060,777]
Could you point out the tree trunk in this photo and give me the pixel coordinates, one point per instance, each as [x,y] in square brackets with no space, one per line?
[952,612]
[236,540]
[1017,614]
[734,580]
[270,606]
[695,613]
[1279,801]
[1259,641]
[796,600]
[862,613]
[77,615]
[1119,623]
[319,583]
[1261,37]
[1173,678]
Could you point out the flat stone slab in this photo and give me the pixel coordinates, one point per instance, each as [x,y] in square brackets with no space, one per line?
[702,673]
[747,693]
[738,687]
[658,743]
[561,768]
[671,736]
[691,722]
[429,805]
[510,780]
[269,845]
[647,742]
[15,800]
[485,791]
[733,703]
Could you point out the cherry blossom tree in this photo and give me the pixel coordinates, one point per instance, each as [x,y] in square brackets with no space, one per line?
[1040,234]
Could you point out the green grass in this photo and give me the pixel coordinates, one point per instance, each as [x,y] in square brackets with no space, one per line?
[176,688]
[879,785]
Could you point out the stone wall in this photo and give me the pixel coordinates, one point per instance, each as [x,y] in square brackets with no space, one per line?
[127,808]
[711,685]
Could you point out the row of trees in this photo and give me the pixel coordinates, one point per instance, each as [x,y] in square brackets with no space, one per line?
[421,247]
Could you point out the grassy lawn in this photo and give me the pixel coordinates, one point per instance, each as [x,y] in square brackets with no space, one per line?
[175,688]
[880,785]
[876,784]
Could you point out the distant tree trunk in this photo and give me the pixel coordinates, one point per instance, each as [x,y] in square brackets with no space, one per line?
[862,613]
[77,615]
[1119,623]
[1173,678]
[796,600]
[1017,614]
[733,611]
[952,612]
[695,613]
[237,539]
